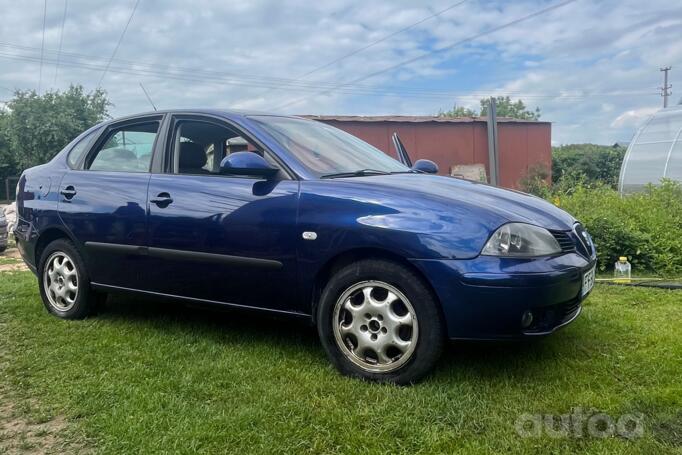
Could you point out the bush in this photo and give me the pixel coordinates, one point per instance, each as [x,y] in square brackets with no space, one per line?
[646,227]
[536,181]
[595,163]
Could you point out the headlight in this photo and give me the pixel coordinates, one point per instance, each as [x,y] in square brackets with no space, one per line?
[521,240]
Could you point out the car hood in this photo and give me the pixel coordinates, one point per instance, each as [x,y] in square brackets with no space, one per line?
[505,205]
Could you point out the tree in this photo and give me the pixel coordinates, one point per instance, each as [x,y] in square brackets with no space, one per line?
[505,108]
[34,128]
[458,111]
[8,165]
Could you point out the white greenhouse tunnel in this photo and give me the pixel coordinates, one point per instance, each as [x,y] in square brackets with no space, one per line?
[655,152]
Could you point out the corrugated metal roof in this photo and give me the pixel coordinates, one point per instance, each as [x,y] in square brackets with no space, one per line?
[412,119]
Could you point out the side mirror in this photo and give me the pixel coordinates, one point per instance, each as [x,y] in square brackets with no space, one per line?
[246,163]
[426,166]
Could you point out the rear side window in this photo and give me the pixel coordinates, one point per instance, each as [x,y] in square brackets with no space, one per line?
[79,149]
[126,149]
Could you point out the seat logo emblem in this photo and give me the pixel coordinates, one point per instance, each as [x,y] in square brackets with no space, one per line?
[308,235]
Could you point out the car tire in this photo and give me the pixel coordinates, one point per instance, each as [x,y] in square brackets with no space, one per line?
[379,321]
[65,283]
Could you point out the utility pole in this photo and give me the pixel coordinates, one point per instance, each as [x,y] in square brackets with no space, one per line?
[665,90]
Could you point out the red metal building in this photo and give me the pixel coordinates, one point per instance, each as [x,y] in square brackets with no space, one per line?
[522,144]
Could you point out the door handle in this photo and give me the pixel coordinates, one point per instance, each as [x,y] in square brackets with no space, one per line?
[68,192]
[162,200]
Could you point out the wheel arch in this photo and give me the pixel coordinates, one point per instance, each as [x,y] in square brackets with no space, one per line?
[48,236]
[344,258]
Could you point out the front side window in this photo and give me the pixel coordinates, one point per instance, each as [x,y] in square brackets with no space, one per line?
[326,150]
[200,146]
[127,149]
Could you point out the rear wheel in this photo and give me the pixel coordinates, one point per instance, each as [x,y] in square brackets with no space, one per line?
[379,321]
[65,283]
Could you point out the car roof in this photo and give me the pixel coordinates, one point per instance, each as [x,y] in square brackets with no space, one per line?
[226,113]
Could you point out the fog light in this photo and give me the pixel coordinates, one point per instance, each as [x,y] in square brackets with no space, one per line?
[526,319]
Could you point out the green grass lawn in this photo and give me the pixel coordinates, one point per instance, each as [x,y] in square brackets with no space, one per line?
[147,377]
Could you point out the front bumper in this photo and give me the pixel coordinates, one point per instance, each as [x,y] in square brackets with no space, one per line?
[487,297]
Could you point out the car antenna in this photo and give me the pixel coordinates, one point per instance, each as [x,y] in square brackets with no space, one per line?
[147,95]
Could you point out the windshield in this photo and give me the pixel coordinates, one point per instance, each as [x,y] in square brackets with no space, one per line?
[326,150]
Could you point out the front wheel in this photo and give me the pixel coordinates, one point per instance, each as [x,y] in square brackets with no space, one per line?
[65,283]
[379,321]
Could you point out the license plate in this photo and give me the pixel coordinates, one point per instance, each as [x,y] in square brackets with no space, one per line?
[588,281]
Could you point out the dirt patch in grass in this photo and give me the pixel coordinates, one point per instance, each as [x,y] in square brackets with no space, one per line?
[20,433]
[13,267]
[12,253]
[10,261]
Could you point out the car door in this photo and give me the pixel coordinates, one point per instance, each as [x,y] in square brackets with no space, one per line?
[216,237]
[103,202]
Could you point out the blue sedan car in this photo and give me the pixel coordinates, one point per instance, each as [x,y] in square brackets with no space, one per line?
[294,217]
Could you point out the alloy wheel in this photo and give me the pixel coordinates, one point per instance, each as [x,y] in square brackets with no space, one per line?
[375,326]
[60,279]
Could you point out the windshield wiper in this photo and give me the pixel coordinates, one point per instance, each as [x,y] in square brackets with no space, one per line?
[358,173]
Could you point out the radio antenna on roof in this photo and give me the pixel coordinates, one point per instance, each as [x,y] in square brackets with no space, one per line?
[147,95]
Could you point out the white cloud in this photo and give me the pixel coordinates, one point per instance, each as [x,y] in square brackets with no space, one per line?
[592,67]
[634,117]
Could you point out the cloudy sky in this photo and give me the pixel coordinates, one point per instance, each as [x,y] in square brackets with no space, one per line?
[591,66]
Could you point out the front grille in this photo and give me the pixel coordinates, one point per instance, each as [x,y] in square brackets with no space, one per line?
[565,241]
[577,240]
[584,241]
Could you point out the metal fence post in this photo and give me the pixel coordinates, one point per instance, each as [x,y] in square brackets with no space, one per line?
[493,155]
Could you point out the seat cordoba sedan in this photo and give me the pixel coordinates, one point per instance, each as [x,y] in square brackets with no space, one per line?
[294,217]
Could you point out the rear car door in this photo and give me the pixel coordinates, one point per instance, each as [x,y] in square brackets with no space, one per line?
[103,201]
[216,237]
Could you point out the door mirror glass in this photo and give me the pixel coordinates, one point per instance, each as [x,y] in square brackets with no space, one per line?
[246,163]
[426,166]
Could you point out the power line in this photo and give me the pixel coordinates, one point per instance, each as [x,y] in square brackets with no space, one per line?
[437,51]
[210,75]
[374,43]
[157,69]
[61,40]
[42,48]
[398,91]
[163,71]
[118,44]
